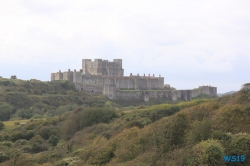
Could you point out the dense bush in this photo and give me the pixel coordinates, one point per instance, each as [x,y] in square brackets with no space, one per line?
[178,129]
[159,113]
[84,117]
[240,145]
[16,135]
[5,111]
[209,153]
[24,113]
[68,85]
[92,116]
[3,157]
[103,155]
[53,140]
[200,131]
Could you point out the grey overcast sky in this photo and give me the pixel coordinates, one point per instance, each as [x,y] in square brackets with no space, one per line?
[190,43]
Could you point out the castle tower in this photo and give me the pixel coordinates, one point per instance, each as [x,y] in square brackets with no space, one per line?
[85,64]
[103,67]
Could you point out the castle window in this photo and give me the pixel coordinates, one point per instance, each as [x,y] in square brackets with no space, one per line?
[92,90]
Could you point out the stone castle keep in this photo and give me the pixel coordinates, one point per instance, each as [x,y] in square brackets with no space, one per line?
[104,77]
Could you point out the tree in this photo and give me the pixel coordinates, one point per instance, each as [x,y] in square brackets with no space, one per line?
[178,129]
[5,111]
[200,130]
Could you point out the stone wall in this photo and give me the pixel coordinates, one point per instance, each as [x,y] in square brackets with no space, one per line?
[185,95]
[57,76]
[208,90]
[68,75]
[93,89]
[128,95]
[109,90]
[77,76]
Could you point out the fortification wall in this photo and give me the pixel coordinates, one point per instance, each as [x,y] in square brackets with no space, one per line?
[56,76]
[195,92]
[208,90]
[153,83]
[93,89]
[131,83]
[78,86]
[95,80]
[141,83]
[77,76]
[52,76]
[84,65]
[109,90]
[68,75]
[186,95]
[125,83]
[142,95]
[128,95]
[161,82]
[118,63]
[122,83]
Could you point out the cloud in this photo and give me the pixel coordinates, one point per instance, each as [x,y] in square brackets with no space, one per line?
[191,37]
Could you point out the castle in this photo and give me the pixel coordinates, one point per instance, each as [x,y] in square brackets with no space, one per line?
[104,77]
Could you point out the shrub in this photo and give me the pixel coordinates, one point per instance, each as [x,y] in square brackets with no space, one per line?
[92,116]
[68,85]
[80,118]
[24,113]
[134,123]
[200,130]
[53,140]
[208,153]
[240,145]
[6,83]
[6,143]
[3,157]
[16,135]
[20,142]
[29,134]
[103,155]
[1,125]
[46,157]
[36,148]
[37,145]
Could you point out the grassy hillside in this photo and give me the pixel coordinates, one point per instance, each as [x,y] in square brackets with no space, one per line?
[199,132]
[33,98]
[20,99]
